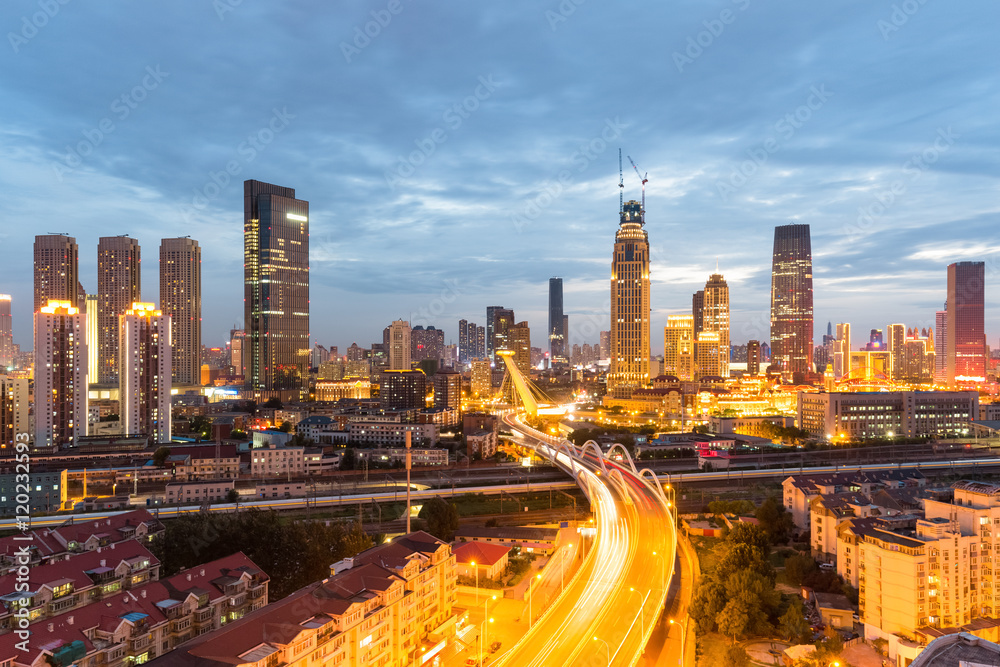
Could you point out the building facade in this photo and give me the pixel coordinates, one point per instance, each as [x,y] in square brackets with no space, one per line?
[557,337]
[60,374]
[792,302]
[276,288]
[145,370]
[966,339]
[119,285]
[520,342]
[403,389]
[6,333]
[630,294]
[715,318]
[56,270]
[399,347]
[869,415]
[180,299]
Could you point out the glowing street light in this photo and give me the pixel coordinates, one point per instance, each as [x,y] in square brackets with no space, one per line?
[598,639]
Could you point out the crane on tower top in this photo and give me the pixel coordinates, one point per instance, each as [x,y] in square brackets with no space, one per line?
[642,177]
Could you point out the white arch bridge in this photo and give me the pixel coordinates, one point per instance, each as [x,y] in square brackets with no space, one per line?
[607,612]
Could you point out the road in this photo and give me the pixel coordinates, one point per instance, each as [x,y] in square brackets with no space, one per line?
[609,608]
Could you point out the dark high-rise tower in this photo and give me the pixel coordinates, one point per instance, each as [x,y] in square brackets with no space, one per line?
[56,273]
[119,285]
[629,303]
[557,336]
[698,311]
[276,287]
[180,298]
[966,339]
[791,301]
[490,311]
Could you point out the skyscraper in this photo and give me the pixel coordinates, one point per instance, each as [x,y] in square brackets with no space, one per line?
[503,322]
[276,287]
[480,346]
[6,333]
[145,371]
[941,345]
[707,354]
[90,308]
[678,347]
[520,342]
[753,357]
[118,287]
[698,310]
[629,303]
[965,323]
[463,340]
[715,317]
[557,337]
[842,350]
[237,351]
[403,389]
[15,409]
[895,340]
[399,349]
[60,374]
[792,302]
[490,310]
[56,273]
[180,299]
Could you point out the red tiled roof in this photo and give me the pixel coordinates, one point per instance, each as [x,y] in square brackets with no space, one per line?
[479,552]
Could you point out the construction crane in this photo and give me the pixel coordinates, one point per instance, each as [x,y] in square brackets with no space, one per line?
[621,184]
[642,177]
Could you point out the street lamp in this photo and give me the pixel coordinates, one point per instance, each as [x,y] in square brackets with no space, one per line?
[473,563]
[663,562]
[484,627]
[598,639]
[562,561]
[684,627]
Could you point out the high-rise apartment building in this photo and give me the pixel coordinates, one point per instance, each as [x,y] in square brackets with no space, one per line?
[630,293]
[480,348]
[91,308]
[119,285]
[604,343]
[698,310]
[707,350]
[842,350]
[520,342]
[15,411]
[426,343]
[965,324]
[60,374]
[753,357]
[180,299]
[6,333]
[237,351]
[399,348]
[895,340]
[792,302]
[56,272]
[678,347]
[276,287]
[463,340]
[447,389]
[482,378]
[941,345]
[503,322]
[403,389]
[557,336]
[145,372]
[715,317]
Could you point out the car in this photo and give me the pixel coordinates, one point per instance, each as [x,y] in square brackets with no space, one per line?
[494,647]
[471,662]
[826,566]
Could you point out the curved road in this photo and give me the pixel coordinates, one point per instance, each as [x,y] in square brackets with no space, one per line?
[620,589]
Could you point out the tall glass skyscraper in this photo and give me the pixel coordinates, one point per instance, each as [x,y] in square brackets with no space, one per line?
[965,335]
[557,336]
[792,301]
[276,287]
[119,285]
[180,299]
[629,303]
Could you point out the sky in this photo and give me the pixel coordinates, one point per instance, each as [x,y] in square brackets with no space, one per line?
[458,155]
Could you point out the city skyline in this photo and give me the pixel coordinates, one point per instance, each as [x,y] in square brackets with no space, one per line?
[867,114]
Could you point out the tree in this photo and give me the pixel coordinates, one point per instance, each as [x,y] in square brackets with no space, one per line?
[746,557]
[747,533]
[348,459]
[286,427]
[232,496]
[776,521]
[798,567]
[736,656]
[160,456]
[274,402]
[709,599]
[200,425]
[441,517]
[734,619]
[792,624]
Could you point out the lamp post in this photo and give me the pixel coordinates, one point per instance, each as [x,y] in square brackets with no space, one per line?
[642,613]
[663,562]
[684,625]
[598,639]
[484,627]
[476,568]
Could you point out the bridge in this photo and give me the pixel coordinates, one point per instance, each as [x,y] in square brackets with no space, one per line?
[607,612]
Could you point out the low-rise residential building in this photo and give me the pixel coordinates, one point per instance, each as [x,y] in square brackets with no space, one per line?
[267,490]
[529,539]
[827,511]
[835,611]
[374,609]
[277,460]
[798,491]
[206,491]
[487,561]
[481,443]
[144,622]
[194,462]
[865,415]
